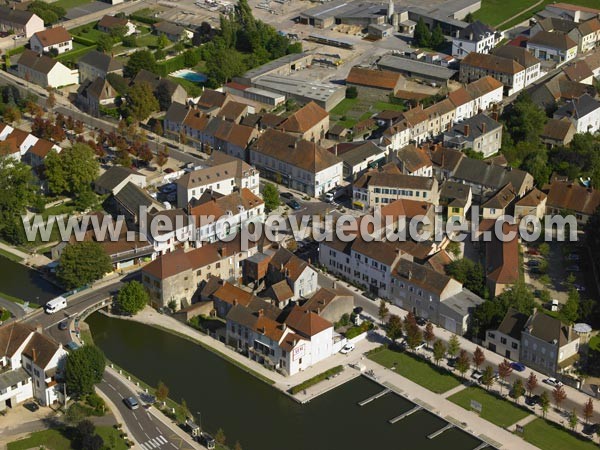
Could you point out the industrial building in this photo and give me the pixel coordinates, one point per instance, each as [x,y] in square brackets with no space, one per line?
[412,68]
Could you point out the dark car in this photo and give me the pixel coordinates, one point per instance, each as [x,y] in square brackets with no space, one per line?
[519,367]
[590,429]
[421,321]
[287,195]
[357,310]
[533,263]
[294,205]
[533,400]
[63,325]
[31,406]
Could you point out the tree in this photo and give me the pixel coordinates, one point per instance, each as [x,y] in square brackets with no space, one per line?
[351,92]
[162,157]
[544,403]
[478,358]
[142,59]
[439,351]
[132,297]
[421,35]
[82,263]
[487,377]
[588,410]
[559,395]
[105,43]
[383,311]
[469,18]
[573,420]
[470,274]
[84,368]
[524,120]
[18,191]
[123,158]
[531,384]
[394,327]
[191,58]
[157,128]
[141,102]
[12,114]
[517,390]
[504,371]
[453,346]
[437,37]
[429,334]
[220,436]
[463,362]
[271,196]
[569,312]
[184,411]
[238,446]
[71,170]
[414,335]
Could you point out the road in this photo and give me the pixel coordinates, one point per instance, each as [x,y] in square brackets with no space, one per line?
[147,430]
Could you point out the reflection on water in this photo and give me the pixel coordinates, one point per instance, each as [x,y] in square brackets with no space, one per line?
[27,284]
[257,415]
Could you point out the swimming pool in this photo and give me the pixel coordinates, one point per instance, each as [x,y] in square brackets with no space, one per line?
[189,75]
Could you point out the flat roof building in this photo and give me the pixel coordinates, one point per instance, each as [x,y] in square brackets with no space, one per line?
[326,95]
[416,69]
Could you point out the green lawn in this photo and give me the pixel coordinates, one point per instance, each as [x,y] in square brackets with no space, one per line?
[595,343]
[549,436]
[148,40]
[9,255]
[496,410]
[343,107]
[68,4]
[58,440]
[89,31]
[74,55]
[385,106]
[416,370]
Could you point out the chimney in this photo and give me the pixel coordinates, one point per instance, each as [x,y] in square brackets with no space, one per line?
[470,36]
[333,285]
[261,312]
[495,115]
[235,301]
[33,354]
[457,34]
[410,274]
[336,149]
[467,130]
[220,251]
[483,127]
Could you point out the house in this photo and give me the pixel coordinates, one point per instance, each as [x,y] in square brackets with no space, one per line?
[227,295]
[579,72]
[96,64]
[456,198]
[297,163]
[548,345]
[415,161]
[432,295]
[212,101]
[177,276]
[377,188]
[235,111]
[552,46]
[31,364]
[496,206]
[558,132]
[532,204]
[311,122]
[533,66]
[479,95]
[95,95]
[565,197]
[131,200]
[502,261]
[55,40]
[115,179]
[297,273]
[476,37]
[20,22]
[375,84]
[584,112]
[558,89]
[506,339]
[568,11]
[109,24]
[358,157]
[480,133]
[224,176]
[45,71]
[36,154]
[587,34]
[174,33]
[330,304]
[218,216]
[506,70]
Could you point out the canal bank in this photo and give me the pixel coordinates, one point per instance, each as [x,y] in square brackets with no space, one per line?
[221,395]
[20,282]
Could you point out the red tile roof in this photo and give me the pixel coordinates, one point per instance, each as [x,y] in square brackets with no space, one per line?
[306,323]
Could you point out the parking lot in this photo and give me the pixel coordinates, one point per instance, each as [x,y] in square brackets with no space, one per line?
[88,8]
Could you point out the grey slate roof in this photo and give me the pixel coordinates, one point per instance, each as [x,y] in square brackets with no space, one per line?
[513,323]
[578,108]
[15,15]
[476,124]
[415,68]
[360,153]
[176,113]
[463,302]
[488,174]
[113,176]
[131,197]
[478,29]
[12,377]
[101,61]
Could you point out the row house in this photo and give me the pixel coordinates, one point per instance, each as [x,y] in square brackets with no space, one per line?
[479,95]
[30,365]
[552,46]
[508,71]
[585,34]
[177,276]
[480,133]
[532,65]
[415,161]
[296,163]
[565,197]
[225,175]
[24,146]
[311,122]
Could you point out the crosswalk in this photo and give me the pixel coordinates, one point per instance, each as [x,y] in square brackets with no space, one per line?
[154,443]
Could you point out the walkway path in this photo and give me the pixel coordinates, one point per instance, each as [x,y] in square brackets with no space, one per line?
[524,421]
[520,13]
[453,391]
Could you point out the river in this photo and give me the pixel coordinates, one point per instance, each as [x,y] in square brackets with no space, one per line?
[256,414]
[25,283]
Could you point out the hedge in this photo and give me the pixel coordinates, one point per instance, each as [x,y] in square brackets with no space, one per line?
[16,51]
[164,68]
[83,41]
[79,52]
[316,379]
[143,19]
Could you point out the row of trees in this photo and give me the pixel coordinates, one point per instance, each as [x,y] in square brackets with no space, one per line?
[423,37]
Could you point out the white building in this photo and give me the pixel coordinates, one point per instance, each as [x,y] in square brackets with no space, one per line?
[29,363]
[296,163]
[552,46]
[477,37]
[20,22]
[50,40]
[225,175]
[45,71]
[584,112]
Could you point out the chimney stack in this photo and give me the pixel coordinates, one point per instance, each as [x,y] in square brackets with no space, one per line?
[483,127]
[235,301]
[467,130]
[34,354]
[261,312]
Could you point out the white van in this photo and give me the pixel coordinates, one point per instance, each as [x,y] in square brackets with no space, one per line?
[56,304]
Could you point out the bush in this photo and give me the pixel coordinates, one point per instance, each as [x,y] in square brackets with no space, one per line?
[351,92]
[316,379]
[96,402]
[144,19]
[355,331]
[84,41]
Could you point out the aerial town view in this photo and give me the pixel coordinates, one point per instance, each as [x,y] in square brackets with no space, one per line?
[300,225]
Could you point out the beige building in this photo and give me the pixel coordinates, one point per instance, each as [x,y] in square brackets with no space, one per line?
[311,122]
[532,204]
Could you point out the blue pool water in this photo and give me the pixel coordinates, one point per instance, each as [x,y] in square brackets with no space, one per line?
[190,75]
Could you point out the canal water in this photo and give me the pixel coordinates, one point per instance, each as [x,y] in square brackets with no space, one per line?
[257,415]
[24,283]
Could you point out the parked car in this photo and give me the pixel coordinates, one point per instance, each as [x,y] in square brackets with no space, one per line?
[328,197]
[63,325]
[168,188]
[519,367]
[131,402]
[294,205]
[477,376]
[533,263]
[552,382]
[579,287]
[287,195]
[533,400]
[347,348]
[357,310]
[169,170]
[573,268]
[421,321]
[573,257]
[31,406]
